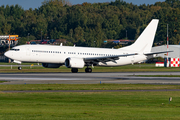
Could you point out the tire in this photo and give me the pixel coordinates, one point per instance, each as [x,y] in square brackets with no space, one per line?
[19,68]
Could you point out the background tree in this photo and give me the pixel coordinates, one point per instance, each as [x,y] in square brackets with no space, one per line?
[90,24]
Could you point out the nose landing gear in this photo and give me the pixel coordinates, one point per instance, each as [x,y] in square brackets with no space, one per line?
[19,68]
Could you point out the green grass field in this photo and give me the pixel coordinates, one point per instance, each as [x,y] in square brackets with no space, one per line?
[127,68]
[90,106]
[33,87]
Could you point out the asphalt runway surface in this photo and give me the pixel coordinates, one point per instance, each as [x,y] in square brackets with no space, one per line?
[89,78]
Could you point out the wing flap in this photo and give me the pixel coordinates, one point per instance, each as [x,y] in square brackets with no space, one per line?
[105,59]
[157,52]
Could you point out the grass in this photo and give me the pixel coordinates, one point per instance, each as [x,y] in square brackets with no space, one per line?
[5,63]
[85,87]
[2,81]
[90,106]
[127,68]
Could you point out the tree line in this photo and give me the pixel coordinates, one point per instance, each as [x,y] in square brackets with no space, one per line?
[90,24]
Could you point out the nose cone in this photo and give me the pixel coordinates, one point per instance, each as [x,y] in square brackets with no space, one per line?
[7,54]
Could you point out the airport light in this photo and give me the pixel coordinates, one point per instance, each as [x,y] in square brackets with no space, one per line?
[170,99]
[167,47]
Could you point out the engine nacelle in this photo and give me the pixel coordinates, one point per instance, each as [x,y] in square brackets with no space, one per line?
[51,65]
[74,63]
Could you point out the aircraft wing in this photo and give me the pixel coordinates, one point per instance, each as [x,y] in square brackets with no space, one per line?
[157,52]
[105,59]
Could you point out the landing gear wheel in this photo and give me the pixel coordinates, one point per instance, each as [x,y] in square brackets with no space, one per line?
[19,68]
[74,70]
[88,70]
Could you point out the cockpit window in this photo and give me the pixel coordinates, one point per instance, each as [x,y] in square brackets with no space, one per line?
[15,49]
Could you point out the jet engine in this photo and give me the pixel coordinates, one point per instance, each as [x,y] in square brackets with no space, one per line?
[51,65]
[74,63]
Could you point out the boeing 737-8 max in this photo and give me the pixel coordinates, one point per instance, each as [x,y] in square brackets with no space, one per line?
[77,57]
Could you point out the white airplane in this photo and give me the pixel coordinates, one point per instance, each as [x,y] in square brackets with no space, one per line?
[77,57]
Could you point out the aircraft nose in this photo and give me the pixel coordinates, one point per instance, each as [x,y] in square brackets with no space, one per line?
[7,54]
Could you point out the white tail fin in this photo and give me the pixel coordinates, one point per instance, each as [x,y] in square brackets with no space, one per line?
[146,39]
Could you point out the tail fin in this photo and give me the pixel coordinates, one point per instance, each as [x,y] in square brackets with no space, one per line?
[146,39]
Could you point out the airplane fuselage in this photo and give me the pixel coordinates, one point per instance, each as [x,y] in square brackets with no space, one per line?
[58,54]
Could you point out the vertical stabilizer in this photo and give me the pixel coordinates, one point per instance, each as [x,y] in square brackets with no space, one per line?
[145,41]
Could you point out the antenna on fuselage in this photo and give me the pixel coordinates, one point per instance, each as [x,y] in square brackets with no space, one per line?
[61,44]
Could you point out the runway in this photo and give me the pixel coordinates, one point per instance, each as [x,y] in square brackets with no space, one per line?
[89,78]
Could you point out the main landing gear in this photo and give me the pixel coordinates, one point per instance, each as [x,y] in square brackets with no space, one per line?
[87,70]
